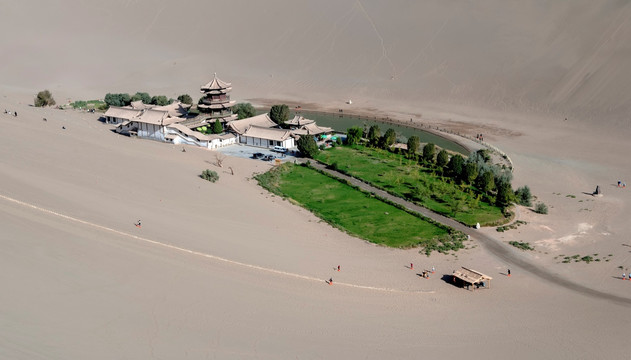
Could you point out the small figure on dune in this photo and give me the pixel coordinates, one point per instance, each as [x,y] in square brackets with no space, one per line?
[138,224]
[331,281]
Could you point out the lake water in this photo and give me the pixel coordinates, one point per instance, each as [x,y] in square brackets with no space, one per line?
[342,122]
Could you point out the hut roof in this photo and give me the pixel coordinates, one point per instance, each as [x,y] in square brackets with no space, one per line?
[470,276]
[176,109]
[240,126]
[267,133]
[122,113]
[299,121]
[312,129]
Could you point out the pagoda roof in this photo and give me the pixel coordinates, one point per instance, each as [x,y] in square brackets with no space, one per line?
[217,84]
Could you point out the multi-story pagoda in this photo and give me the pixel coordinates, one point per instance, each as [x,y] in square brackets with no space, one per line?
[216,101]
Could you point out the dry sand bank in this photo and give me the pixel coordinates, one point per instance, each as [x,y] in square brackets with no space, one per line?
[76,288]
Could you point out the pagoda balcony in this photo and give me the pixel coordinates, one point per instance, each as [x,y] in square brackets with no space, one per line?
[208,101]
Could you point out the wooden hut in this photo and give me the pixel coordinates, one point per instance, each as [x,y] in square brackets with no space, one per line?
[471,279]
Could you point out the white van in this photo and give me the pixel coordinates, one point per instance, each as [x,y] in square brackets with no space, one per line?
[280,149]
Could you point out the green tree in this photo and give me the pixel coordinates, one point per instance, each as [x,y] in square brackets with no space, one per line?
[455,166]
[413,144]
[523,196]
[279,114]
[504,192]
[354,135]
[373,135]
[121,99]
[469,172]
[388,138]
[442,158]
[142,96]
[429,152]
[160,100]
[217,127]
[485,182]
[185,99]
[244,110]
[308,146]
[44,98]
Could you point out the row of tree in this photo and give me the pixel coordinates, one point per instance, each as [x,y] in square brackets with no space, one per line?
[489,180]
[124,99]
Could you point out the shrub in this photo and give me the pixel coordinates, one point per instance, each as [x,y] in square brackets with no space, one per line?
[388,139]
[279,114]
[429,153]
[521,245]
[44,98]
[244,110]
[354,135]
[524,196]
[160,100]
[117,99]
[541,208]
[217,127]
[185,99]
[142,96]
[209,175]
[307,146]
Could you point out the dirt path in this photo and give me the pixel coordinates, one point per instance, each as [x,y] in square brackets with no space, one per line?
[494,246]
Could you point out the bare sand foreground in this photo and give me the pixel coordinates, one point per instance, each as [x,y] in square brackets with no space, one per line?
[226,270]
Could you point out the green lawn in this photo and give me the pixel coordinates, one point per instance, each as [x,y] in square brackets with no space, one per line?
[357,212]
[405,178]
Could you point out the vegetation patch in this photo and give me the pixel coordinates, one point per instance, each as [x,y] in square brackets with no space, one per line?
[521,245]
[359,213]
[579,258]
[209,175]
[89,105]
[408,179]
[512,226]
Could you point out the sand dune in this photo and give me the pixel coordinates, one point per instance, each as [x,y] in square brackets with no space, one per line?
[226,270]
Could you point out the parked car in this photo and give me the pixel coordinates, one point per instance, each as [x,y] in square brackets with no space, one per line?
[269,157]
[280,149]
[258,156]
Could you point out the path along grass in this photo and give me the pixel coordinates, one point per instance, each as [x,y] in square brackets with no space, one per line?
[356,212]
[405,178]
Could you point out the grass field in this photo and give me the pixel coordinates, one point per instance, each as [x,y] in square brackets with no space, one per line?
[405,178]
[358,213]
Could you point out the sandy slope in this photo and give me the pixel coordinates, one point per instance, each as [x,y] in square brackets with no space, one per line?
[225,270]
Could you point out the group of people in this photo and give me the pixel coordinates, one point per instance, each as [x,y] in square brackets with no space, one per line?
[14,113]
[479,137]
[622,184]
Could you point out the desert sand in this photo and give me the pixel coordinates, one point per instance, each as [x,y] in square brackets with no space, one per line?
[226,270]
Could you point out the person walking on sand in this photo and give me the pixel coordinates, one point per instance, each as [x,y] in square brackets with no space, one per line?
[624,276]
[508,272]
[138,223]
[338,268]
[331,281]
[411,266]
